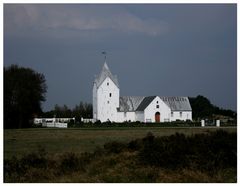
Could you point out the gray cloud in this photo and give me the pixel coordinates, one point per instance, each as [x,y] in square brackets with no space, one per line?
[84,18]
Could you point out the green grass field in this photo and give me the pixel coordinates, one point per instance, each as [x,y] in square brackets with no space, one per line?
[18,142]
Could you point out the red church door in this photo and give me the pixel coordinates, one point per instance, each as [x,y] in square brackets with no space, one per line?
[157,117]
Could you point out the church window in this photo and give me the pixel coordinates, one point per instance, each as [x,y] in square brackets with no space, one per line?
[110,94]
[180,114]
[107,83]
[157,101]
[125,114]
[171,114]
[157,106]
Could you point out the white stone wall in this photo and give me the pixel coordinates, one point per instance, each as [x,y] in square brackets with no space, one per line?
[56,125]
[164,110]
[189,115]
[95,111]
[140,116]
[181,115]
[129,116]
[52,120]
[107,101]
[120,117]
[126,116]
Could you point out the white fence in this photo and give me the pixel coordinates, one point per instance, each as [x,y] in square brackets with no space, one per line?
[216,123]
[57,125]
[88,120]
[53,122]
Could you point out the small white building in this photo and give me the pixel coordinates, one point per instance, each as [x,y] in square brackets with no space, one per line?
[109,106]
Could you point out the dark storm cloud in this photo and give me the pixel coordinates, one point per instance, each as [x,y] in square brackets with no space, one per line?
[168,50]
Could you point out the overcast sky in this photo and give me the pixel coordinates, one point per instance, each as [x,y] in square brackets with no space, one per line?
[160,49]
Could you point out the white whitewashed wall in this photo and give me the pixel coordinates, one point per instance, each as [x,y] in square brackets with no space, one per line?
[106,105]
[186,115]
[150,111]
[126,116]
[95,101]
[140,116]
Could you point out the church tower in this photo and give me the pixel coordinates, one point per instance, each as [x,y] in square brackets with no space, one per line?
[105,96]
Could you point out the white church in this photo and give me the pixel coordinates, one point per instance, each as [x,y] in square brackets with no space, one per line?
[108,105]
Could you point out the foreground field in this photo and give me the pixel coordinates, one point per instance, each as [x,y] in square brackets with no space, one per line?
[21,141]
[208,156]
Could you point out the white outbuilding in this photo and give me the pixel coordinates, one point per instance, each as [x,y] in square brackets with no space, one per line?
[108,105]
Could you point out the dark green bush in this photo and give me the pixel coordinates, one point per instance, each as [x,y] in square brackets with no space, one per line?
[98,122]
[115,147]
[205,152]
[17,168]
[167,152]
[34,160]
[215,150]
[71,162]
[135,145]
[139,124]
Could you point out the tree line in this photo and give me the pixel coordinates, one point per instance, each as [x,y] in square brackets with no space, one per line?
[203,108]
[83,110]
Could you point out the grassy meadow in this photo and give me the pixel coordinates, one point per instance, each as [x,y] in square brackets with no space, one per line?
[126,155]
[18,142]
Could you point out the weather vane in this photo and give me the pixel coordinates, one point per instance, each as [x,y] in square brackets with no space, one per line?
[105,55]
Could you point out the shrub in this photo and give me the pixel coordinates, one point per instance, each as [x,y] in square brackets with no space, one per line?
[71,162]
[15,169]
[168,152]
[135,145]
[215,151]
[33,160]
[115,147]
[210,153]
[98,122]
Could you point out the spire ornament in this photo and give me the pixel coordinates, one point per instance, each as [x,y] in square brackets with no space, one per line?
[105,55]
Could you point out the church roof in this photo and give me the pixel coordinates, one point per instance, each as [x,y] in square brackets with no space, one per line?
[104,74]
[177,103]
[145,102]
[140,103]
[129,103]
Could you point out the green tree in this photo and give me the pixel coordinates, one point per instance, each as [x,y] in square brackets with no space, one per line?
[57,111]
[203,108]
[24,90]
[82,110]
